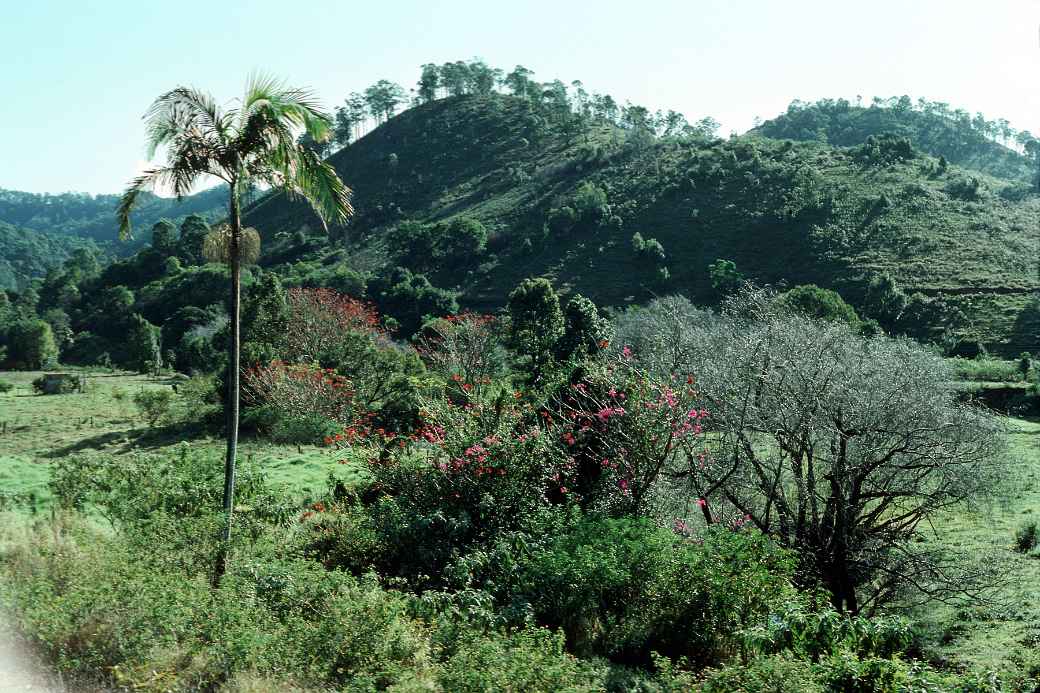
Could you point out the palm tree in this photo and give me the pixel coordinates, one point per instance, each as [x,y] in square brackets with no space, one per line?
[253,141]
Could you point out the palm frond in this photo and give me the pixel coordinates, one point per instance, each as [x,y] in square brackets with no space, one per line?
[179,111]
[145,181]
[269,99]
[316,181]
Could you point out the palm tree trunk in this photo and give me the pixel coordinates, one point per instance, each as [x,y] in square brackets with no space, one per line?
[232,384]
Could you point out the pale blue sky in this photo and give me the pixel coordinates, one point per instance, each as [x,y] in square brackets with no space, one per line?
[77,75]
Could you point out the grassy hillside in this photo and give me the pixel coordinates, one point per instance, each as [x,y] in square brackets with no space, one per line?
[791,212]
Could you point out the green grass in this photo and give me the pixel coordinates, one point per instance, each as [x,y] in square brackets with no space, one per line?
[1003,636]
[104,421]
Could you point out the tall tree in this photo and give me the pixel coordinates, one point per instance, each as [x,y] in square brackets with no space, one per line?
[429,81]
[252,142]
[383,98]
[519,81]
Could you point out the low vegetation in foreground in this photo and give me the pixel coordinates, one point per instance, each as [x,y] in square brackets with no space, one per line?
[554,499]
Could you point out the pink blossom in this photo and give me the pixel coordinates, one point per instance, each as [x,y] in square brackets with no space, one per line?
[627,352]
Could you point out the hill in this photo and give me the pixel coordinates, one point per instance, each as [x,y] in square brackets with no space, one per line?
[567,203]
[991,147]
[39,231]
[27,253]
[93,216]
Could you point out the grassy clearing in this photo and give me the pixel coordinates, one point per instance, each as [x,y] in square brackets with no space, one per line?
[103,420]
[1003,636]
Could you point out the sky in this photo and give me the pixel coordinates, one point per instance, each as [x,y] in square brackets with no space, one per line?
[77,76]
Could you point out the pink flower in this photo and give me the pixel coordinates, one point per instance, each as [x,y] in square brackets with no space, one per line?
[701,502]
[627,352]
[622,484]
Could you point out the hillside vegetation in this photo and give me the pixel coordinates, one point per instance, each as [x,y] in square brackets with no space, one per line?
[992,147]
[565,203]
[40,231]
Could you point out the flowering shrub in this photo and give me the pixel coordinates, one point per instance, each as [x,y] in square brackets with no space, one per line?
[319,320]
[621,428]
[465,349]
[471,474]
[301,398]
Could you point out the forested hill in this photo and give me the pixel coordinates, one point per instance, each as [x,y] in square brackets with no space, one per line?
[26,253]
[989,146]
[40,231]
[93,216]
[466,196]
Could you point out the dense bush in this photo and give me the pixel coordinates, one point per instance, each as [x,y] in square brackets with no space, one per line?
[626,588]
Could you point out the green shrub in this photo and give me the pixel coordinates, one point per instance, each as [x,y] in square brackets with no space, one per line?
[5,386]
[197,400]
[309,429]
[56,384]
[812,633]
[97,602]
[153,404]
[773,674]
[131,490]
[1027,536]
[530,660]
[625,587]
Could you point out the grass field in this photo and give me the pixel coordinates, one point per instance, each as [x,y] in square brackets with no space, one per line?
[1003,635]
[103,420]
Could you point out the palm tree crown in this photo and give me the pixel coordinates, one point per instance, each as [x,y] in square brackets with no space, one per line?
[253,141]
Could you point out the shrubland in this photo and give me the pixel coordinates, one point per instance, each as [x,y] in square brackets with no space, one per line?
[553,499]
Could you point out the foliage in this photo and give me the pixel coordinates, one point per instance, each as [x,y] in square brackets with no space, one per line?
[820,304]
[535,324]
[154,404]
[625,588]
[725,278]
[30,345]
[1027,536]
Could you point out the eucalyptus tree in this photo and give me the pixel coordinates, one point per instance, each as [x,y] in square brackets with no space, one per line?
[251,141]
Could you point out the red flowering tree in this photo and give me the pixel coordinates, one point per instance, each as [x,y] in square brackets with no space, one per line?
[320,319]
[296,392]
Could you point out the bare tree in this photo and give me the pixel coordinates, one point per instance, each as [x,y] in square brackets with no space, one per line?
[842,447]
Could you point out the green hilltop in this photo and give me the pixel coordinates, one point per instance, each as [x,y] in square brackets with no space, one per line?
[566,201]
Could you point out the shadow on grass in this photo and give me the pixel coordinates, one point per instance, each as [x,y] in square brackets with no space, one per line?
[141,438]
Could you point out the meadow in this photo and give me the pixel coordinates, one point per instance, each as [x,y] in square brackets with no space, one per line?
[103,421]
